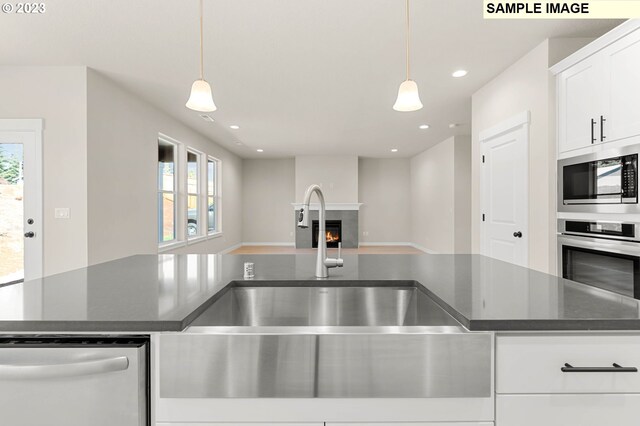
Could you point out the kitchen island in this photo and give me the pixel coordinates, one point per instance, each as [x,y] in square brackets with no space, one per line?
[511,346]
[148,293]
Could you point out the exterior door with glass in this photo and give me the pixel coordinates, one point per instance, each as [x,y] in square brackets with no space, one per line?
[20,200]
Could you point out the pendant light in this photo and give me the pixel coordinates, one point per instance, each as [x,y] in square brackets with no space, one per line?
[408,97]
[201,99]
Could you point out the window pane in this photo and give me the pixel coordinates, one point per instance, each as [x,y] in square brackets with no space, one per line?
[192,215]
[211,174]
[166,217]
[211,216]
[166,163]
[192,173]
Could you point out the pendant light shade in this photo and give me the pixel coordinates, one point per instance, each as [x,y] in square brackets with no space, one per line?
[408,97]
[201,99]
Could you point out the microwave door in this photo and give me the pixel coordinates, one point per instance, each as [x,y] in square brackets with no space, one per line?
[594,182]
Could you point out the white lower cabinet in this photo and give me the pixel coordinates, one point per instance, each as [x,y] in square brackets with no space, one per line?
[567,379]
[568,410]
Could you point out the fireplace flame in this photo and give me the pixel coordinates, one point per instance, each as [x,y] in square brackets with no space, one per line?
[332,238]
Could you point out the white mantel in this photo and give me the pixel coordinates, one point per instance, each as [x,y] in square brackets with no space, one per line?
[329,206]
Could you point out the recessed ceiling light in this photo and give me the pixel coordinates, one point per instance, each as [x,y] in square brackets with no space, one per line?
[454,125]
[459,73]
[260,150]
[234,127]
[238,143]
[423,126]
[206,117]
[394,149]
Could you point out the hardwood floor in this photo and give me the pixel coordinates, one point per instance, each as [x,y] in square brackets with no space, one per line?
[293,250]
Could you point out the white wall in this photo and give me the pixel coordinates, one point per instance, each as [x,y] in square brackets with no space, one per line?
[268,188]
[384,190]
[526,85]
[337,176]
[58,95]
[122,179]
[440,197]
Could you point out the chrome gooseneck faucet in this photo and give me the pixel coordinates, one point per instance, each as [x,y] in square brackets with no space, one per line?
[323,263]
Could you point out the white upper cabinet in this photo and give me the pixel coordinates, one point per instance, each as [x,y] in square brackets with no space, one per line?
[599,93]
[580,97]
[622,101]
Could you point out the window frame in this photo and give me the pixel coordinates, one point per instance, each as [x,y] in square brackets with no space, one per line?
[199,188]
[178,239]
[181,194]
[217,196]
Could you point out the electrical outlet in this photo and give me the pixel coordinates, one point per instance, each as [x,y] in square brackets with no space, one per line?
[291,234]
[61,213]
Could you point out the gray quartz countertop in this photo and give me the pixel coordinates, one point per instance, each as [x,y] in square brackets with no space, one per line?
[149,293]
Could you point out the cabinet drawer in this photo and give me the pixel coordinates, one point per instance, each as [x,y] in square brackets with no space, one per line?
[567,410]
[532,363]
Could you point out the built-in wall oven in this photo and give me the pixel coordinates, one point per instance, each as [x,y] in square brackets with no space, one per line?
[603,182]
[603,254]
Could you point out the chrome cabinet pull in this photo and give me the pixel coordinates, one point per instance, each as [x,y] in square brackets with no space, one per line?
[602,136]
[568,368]
[593,123]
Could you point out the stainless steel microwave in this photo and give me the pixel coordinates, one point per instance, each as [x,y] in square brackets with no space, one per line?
[603,182]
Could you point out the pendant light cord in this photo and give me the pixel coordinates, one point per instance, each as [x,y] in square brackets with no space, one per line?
[408,29]
[201,50]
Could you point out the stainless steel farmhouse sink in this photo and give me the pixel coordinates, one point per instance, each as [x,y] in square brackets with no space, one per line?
[312,308]
[325,340]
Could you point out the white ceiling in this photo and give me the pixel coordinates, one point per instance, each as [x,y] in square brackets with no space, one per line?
[300,77]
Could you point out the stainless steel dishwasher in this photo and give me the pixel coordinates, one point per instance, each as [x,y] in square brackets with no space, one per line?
[74,381]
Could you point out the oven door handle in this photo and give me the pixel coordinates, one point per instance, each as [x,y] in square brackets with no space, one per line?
[56,371]
[628,248]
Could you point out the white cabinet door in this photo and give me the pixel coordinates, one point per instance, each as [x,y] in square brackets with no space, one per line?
[622,84]
[568,410]
[579,104]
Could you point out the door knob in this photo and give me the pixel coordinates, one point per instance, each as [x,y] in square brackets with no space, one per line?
[29,234]
[517,234]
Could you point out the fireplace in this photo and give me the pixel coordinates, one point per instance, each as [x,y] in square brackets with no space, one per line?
[333,232]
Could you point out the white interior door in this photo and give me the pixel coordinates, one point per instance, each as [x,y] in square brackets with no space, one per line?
[505,190]
[20,200]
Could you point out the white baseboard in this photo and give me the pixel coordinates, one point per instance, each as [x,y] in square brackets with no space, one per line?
[424,249]
[281,244]
[230,249]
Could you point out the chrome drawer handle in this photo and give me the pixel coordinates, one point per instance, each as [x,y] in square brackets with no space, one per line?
[568,368]
[56,371]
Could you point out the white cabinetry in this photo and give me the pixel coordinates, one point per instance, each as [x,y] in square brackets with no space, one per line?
[533,389]
[579,103]
[622,102]
[599,93]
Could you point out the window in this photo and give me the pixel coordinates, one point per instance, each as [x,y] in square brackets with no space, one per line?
[167,191]
[213,197]
[188,194]
[193,194]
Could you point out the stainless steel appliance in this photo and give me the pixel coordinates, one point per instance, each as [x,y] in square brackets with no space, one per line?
[603,254]
[304,341]
[74,381]
[603,182]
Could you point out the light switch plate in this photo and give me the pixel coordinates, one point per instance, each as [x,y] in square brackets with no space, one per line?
[61,213]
